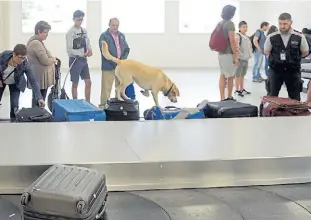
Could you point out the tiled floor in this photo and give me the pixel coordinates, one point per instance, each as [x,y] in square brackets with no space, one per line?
[195,85]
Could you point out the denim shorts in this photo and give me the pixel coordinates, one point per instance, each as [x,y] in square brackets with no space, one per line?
[79,69]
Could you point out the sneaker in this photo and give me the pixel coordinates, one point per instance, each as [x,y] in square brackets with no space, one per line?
[246,92]
[230,99]
[239,93]
[257,80]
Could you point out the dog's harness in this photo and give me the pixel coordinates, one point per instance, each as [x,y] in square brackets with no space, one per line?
[169,90]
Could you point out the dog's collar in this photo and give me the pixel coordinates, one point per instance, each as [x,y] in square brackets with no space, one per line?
[169,90]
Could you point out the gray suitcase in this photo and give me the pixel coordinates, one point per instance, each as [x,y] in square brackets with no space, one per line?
[66,192]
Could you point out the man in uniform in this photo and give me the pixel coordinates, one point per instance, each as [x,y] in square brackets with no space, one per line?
[284,49]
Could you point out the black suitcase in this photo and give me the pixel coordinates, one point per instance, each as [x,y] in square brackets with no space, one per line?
[66,192]
[127,110]
[35,114]
[230,109]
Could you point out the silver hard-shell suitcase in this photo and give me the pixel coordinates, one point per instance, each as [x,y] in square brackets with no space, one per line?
[66,192]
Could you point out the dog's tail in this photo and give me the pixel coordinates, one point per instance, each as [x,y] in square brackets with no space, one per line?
[107,55]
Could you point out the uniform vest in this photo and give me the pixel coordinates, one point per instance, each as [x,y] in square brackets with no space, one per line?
[291,51]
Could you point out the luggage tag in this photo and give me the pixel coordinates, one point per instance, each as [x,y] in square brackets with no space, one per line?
[283,56]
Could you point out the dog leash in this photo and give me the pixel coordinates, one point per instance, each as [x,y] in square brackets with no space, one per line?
[73,62]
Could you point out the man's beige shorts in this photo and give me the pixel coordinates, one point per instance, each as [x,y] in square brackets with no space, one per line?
[226,64]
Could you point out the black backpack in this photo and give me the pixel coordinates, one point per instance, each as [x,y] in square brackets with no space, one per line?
[252,40]
[309,44]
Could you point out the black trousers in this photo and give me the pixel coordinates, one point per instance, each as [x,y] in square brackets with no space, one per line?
[292,79]
[35,101]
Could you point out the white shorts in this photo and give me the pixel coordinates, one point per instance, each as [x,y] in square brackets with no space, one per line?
[226,64]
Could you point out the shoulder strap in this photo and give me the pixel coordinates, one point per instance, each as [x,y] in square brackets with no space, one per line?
[9,74]
[260,34]
[240,36]
[240,40]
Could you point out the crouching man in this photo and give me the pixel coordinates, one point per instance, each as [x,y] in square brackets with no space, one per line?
[13,68]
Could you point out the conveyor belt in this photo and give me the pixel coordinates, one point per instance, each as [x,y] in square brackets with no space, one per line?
[162,154]
[283,202]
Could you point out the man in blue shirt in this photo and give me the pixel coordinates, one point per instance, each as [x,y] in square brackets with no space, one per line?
[259,42]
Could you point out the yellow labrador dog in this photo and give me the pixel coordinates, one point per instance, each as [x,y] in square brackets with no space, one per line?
[148,78]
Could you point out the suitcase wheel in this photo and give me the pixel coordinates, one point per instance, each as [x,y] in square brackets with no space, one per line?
[25,199]
[101,211]
[81,207]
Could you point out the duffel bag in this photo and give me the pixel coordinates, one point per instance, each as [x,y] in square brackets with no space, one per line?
[277,106]
[172,112]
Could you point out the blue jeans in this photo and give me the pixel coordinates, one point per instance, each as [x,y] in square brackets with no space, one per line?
[35,101]
[266,65]
[14,98]
[130,91]
[258,57]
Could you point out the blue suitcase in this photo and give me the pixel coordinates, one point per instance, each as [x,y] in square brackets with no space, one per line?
[76,110]
[171,112]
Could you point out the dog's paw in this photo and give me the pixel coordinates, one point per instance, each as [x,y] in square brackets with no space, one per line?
[120,99]
[145,93]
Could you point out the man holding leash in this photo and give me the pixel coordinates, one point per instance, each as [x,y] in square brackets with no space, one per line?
[78,49]
[119,48]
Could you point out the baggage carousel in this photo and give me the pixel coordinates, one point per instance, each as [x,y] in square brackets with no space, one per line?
[286,202]
[150,155]
[174,169]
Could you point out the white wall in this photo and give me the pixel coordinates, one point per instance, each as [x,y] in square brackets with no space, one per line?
[170,49]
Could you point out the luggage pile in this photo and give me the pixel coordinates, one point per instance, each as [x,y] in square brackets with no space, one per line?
[66,192]
[68,110]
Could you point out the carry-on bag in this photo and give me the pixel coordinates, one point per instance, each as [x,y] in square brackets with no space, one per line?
[230,109]
[71,110]
[171,112]
[58,91]
[277,106]
[127,110]
[35,114]
[66,192]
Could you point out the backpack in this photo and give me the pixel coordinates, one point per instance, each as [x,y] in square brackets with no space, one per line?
[218,41]
[252,40]
[240,41]
[309,44]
